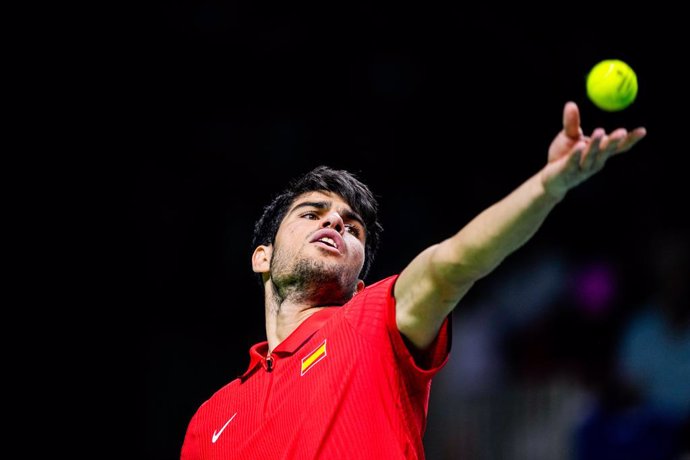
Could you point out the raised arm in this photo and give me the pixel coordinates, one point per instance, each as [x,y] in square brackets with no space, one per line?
[435,281]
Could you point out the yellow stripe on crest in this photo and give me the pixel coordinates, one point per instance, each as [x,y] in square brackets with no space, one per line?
[313,357]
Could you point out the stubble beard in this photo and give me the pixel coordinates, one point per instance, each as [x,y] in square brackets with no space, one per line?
[313,282]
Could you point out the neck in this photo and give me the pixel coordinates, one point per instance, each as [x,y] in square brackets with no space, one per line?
[283,318]
[288,306]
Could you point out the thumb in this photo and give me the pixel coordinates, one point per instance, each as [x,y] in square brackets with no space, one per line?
[571,120]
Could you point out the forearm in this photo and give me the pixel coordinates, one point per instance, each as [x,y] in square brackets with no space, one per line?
[482,244]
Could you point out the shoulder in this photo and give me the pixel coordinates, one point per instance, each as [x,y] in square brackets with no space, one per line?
[380,289]
[372,310]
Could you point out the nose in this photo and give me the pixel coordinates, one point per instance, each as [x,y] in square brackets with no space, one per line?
[334,221]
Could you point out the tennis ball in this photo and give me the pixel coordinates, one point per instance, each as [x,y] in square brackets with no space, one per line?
[612,85]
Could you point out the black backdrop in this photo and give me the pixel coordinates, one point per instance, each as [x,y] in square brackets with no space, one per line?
[440,112]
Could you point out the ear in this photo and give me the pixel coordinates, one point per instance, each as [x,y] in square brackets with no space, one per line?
[261,259]
[360,287]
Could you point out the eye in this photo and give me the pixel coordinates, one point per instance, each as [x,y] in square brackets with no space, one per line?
[353,229]
[310,215]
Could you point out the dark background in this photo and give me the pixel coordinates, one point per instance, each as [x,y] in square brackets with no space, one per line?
[442,112]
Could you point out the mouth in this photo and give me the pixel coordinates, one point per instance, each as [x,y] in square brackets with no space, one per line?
[328,242]
[329,239]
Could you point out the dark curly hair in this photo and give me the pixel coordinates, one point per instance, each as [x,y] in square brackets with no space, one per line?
[324,178]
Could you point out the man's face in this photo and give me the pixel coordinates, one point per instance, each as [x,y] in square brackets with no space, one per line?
[319,247]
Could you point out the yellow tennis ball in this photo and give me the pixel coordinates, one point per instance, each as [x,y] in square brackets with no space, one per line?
[612,85]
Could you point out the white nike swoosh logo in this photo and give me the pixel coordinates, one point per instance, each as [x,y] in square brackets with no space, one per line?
[217,435]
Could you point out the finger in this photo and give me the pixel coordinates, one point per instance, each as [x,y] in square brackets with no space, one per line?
[616,137]
[605,154]
[571,120]
[592,152]
[631,139]
[608,147]
[575,159]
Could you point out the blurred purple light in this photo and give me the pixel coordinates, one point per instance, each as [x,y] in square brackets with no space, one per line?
[595,288]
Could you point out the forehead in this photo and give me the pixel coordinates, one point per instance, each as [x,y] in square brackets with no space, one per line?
[335,200]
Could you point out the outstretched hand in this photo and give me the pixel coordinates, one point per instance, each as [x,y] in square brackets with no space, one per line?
[574,157]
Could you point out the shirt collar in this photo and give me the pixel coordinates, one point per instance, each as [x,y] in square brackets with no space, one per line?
[293,342]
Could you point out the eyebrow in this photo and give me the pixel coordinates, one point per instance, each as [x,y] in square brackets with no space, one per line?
[347,214]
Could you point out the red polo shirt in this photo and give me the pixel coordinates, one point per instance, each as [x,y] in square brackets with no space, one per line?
[343,385]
